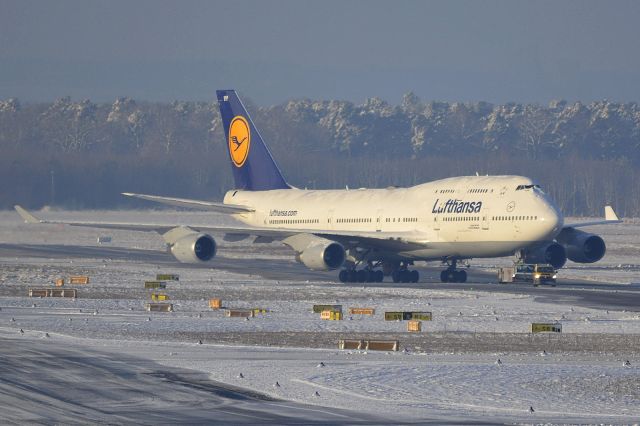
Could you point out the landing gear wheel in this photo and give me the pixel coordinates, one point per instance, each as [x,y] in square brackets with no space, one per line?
[414,276]
[361,276]
[453,276]
[371,276]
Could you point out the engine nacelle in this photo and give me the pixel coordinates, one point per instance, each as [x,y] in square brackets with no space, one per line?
[194,248]
[189,246]
[582,247]
[552,253]
[322,256]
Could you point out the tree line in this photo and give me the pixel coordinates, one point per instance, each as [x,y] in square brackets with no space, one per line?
[80,154]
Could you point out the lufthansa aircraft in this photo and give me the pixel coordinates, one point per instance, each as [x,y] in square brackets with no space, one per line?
[372,233]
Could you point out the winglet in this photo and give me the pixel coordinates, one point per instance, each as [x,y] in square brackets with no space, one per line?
[609,214]
[26,216]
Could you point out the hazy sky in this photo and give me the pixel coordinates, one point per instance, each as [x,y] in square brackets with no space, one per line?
[497,51]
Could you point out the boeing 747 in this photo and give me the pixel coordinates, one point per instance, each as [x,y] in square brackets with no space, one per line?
[371,233]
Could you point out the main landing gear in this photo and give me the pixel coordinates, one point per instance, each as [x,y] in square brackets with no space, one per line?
[404,275]
[452,275]
[399,272]
[360,276]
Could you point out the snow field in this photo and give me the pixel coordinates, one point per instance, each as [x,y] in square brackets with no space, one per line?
[582,389]
[582,386]
[290,306]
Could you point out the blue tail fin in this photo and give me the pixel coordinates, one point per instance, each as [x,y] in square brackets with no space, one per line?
[253,166]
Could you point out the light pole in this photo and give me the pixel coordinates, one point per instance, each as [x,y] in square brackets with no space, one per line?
[53,188]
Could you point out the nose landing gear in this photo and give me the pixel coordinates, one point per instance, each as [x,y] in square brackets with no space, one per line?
[452,275]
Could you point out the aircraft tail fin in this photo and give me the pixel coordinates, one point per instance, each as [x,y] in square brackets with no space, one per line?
[253,166]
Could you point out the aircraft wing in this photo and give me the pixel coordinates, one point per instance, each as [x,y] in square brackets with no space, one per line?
[399,240]
[192,204]
[610,217]
[28,217]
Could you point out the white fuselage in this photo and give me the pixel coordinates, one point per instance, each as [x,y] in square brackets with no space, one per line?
[460,217]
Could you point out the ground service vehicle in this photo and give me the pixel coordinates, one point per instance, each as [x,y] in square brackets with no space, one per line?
[537,273]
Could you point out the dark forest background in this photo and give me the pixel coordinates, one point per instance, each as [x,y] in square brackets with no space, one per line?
[82,154]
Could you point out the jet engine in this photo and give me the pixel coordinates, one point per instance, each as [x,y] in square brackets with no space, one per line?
[551,253]
[189,246]
[322,255]
[582,247]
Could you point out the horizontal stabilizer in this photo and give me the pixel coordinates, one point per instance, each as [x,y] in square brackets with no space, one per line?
[192,204]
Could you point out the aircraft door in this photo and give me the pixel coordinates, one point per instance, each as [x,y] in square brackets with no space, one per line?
[379,220]
[486,217]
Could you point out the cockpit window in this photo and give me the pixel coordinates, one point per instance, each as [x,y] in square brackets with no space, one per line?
[522,187]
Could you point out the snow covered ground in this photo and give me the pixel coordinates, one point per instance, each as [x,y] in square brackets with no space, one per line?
[578,376]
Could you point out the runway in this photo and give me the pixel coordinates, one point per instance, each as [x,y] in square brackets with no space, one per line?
[580,293]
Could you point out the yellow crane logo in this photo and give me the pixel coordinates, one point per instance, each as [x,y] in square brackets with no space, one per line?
[239,140]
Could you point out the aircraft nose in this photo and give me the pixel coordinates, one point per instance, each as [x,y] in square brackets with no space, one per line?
[552,220]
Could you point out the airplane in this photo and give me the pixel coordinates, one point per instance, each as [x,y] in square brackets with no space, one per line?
[368,234]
